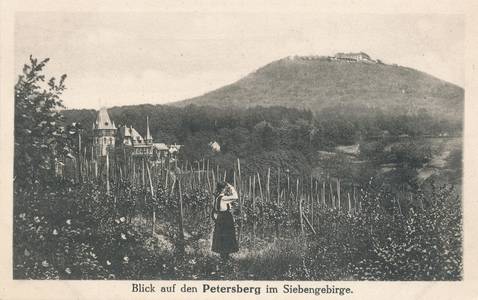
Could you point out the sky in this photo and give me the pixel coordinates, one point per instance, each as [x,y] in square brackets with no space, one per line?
[128,58]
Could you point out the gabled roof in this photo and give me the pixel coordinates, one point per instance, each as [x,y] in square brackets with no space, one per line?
[103,120]
[130,132]
[135,136]
[161,146]
[124,131]
[174,148]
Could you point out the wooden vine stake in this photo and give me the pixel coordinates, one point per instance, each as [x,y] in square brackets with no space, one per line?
[332,198]
[152,196]
[214,184]
[142,173]
[338,192]
[288,192]
[278,185]
[199,173]
[278,202]
[181,224]
[355,201]
[107,173]
[297,197]
[254,210]
[261,204]
[350,204]
[260,186]
[399,206]
[210,188]
[239,192]
[309,224]
[312,200]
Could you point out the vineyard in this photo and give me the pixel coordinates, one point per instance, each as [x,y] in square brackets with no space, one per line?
[152,221]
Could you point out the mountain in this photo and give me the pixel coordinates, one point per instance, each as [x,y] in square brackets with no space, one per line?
[318,83]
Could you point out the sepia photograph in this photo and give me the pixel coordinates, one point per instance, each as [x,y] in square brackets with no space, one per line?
[238,146]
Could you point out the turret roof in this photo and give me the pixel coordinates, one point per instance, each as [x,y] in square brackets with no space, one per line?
[103,120]
[148,134]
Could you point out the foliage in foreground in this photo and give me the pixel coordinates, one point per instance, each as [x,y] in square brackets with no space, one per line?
[80,232]
[419,244]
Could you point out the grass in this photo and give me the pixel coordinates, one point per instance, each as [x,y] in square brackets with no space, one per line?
[259,259]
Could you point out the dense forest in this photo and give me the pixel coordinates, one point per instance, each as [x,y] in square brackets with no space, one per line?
[289,138]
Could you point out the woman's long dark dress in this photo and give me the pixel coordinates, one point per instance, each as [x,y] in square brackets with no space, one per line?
[224,237]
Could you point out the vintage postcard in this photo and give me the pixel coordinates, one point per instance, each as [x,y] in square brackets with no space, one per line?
[216,151]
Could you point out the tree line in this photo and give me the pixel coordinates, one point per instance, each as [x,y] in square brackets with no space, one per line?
[271,137]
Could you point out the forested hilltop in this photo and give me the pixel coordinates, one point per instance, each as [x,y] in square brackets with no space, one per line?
[318,83]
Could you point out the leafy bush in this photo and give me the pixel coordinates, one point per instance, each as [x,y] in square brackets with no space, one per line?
[39,136]
[423,244]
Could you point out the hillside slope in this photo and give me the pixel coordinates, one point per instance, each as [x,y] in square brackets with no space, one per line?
[320,83]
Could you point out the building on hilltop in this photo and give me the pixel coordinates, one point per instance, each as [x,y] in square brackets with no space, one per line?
[360,56]
[340,56]
[126,141]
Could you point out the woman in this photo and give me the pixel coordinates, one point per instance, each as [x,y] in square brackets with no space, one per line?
[224,238]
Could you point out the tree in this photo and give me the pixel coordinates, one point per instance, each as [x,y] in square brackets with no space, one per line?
[39,136]
[409,158]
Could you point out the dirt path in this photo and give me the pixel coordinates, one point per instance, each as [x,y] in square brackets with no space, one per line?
[443,148]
